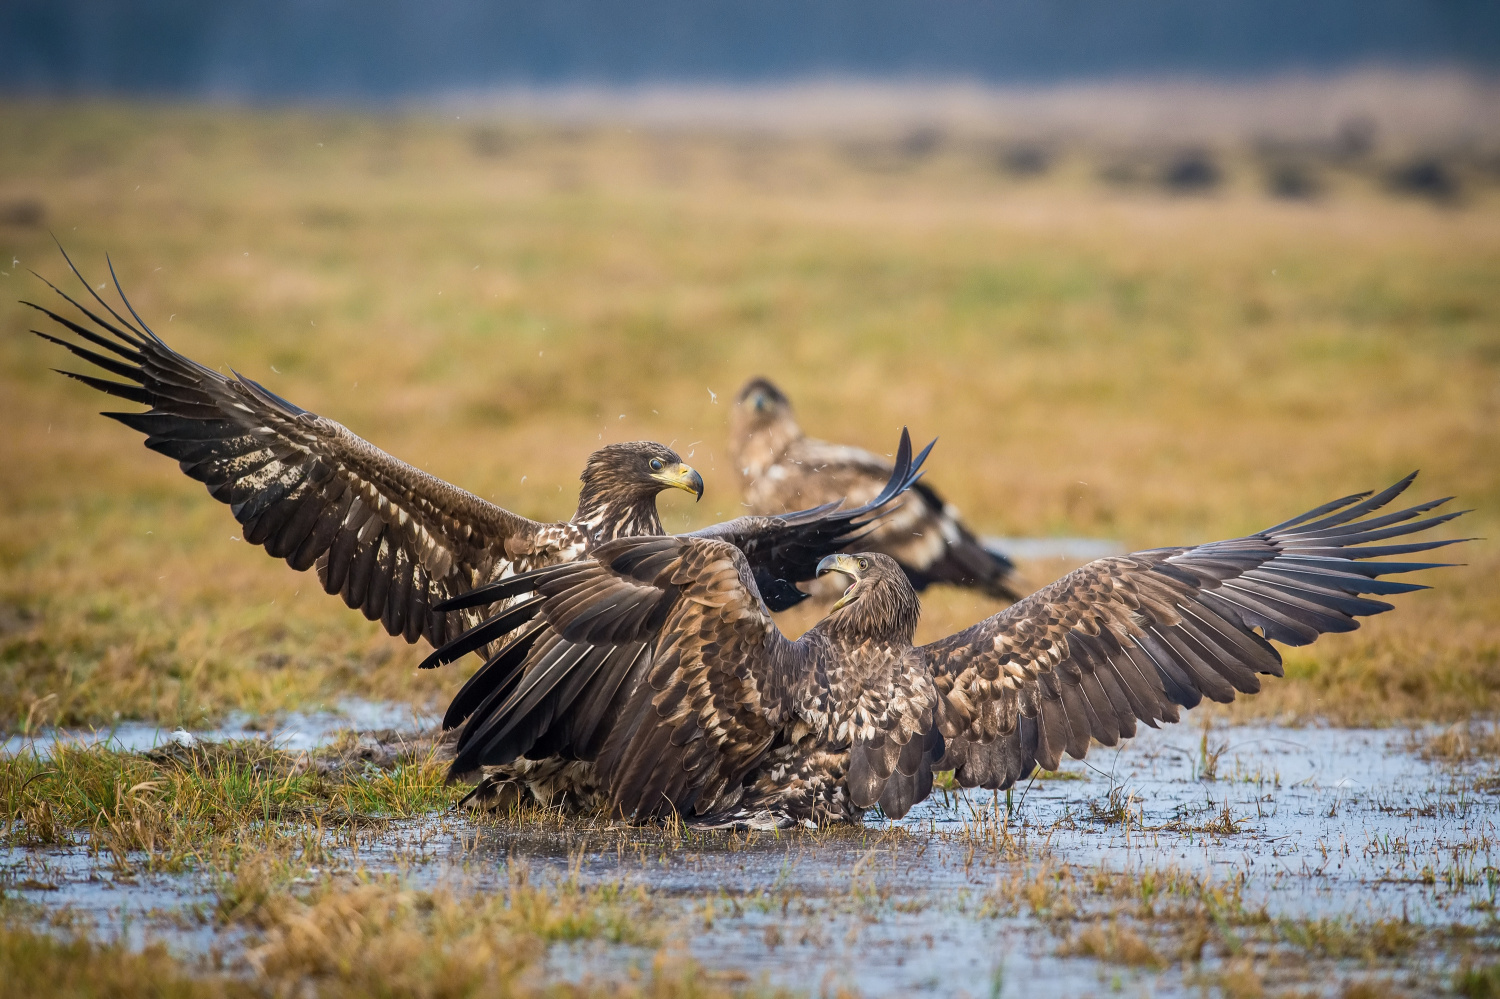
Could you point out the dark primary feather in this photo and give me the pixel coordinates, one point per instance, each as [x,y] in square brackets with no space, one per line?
[783,549]
[1138,637]
[390,539]
[781,468]
[705,686]
[650,586]
[962,559]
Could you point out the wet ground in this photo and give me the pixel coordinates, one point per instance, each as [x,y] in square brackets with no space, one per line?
[1305,823]
[295,731]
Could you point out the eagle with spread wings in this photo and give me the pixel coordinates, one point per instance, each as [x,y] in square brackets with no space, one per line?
[536,713]
[731,723]
[393,541]
[781,468]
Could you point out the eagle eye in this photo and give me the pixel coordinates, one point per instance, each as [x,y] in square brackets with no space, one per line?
[864,563]
[656,464]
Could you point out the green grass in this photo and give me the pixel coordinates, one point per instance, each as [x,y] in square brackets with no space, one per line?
[280,835]
[203,807]
[1097,362]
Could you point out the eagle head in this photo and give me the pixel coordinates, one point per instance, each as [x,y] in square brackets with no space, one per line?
[879,601]
[762,398]
[638,470]
[761,425]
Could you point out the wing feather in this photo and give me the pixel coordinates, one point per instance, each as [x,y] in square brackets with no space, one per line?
[921,531]
[1137,637]
[693,698]
[783,549]
[288,476]
[629,604]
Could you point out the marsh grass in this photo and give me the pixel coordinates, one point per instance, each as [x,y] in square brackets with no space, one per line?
[359,934]
[1113,944]
[280,835]
[1478,982]
[37,963]
[1097,361]
[368,937]
[202,806]
[294,908]
[1460,744]
[1155,919]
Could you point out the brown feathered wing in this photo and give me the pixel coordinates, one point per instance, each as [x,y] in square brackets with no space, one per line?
[542,695]
[717,673]
[390,539]
[1134,638]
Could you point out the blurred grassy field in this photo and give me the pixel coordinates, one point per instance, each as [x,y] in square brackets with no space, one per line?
[491,301]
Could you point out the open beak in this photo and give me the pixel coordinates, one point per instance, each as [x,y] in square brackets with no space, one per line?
[683,477]
[846,564]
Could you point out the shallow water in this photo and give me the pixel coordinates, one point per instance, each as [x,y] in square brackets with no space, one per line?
[295,731]
[1321,822]
[1332,822]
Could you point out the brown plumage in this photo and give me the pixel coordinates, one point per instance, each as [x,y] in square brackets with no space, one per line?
[727,720]
[538,711]
[731,723]
[1134,638]
[390,539]
[781,468]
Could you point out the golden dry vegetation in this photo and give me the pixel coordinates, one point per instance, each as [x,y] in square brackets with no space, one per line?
[359,935]
[491,300]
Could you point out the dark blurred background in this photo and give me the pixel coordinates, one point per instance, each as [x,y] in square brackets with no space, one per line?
[380,49]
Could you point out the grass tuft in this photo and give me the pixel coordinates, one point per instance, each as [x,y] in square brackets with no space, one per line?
[181,807]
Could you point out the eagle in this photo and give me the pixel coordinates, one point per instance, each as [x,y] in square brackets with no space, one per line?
[733,724]
[781,468]
[514,697]
[393,541]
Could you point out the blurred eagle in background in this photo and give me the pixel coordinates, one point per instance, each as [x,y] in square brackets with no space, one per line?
[781,469]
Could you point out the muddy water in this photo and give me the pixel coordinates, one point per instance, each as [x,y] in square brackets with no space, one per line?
[1311,822]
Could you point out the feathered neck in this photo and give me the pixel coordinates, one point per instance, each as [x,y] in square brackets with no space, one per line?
[610,508]
[885,611]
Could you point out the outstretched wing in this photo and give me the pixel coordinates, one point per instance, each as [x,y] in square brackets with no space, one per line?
[713,673]
[390,539]
[783,550]
[1134,638]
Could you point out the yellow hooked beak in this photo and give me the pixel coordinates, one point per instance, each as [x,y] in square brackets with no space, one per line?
[846,564]
[682,476]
